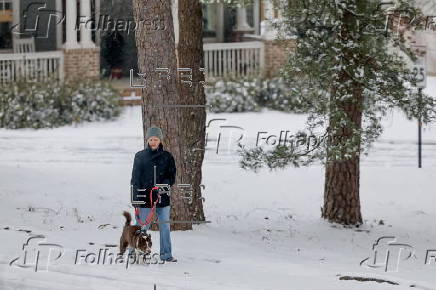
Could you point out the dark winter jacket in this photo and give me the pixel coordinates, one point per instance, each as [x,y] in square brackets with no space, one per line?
[143,175]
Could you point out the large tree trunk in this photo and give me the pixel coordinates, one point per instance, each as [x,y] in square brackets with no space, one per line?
[156,49]
[190,55]
[341,192]
[342,173]
[341,188]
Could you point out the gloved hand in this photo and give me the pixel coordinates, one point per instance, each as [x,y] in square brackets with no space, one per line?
[154,195]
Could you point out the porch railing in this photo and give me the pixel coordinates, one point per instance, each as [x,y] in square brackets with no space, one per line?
[237,59]
[221,60]
[31,66]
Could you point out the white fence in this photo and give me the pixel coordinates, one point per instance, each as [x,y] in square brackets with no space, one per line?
[234,59]
[31,66]
[221,60]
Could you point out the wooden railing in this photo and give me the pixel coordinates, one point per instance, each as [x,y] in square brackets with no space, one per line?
[31,66]
[234,59]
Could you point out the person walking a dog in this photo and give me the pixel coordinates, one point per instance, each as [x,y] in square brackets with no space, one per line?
[152,166]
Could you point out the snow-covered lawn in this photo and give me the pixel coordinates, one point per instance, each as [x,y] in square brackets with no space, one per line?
[265,230]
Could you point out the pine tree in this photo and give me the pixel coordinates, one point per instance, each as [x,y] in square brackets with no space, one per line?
[347,72]
[193,119]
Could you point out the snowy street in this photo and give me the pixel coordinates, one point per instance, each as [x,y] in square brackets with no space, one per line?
[71,185]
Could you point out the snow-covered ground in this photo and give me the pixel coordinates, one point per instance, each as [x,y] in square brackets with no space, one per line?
[71,185]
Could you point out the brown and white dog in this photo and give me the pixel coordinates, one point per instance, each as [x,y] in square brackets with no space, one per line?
[133,238]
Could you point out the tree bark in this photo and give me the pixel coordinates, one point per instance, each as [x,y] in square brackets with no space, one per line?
[156,49]
[190,55]
[342,176]
[341,192]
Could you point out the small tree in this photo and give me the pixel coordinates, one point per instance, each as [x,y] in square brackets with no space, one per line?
[347,73]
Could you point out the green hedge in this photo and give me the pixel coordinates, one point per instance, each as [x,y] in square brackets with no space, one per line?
[52,104]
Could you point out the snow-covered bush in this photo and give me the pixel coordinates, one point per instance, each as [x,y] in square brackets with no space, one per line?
[53,104]
[93,101]
[245,95]
[273,94]
[232,96]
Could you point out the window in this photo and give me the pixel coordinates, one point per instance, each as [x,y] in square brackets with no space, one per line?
[5,24]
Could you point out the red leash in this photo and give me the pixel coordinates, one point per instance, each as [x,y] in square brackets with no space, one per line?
[149,218]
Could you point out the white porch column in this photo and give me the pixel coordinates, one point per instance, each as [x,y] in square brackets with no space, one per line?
[220,22]
[97,18]
[85,32]
[269,9]
[266,29]
[15,20]
[256,16]
[241,20]
[59,27]
[71,16]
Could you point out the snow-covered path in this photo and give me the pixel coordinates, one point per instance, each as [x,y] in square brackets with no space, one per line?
[265,230]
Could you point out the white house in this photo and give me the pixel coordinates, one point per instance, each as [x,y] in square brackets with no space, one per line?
[237,41]
[40,38]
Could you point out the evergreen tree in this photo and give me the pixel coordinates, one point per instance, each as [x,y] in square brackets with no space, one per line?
[347,72]
[193,119]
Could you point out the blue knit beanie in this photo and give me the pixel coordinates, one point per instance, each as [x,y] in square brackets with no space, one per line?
[154,131]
